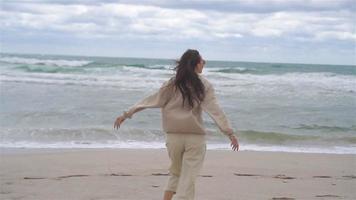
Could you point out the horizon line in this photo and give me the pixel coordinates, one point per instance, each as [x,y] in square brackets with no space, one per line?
[173,59]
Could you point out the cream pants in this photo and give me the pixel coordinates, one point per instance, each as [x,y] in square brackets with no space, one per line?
[186,152]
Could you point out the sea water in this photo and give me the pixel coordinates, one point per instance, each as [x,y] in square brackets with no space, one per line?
[54,101]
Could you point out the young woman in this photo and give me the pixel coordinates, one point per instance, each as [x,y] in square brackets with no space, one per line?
[182,99]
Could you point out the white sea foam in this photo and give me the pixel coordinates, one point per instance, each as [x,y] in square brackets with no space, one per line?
[123,82]
[147,71]
[289,82]
[136,78]
[51,62]
[161,145]
[131,77]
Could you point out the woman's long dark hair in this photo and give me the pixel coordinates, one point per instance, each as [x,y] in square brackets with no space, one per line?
[187,80]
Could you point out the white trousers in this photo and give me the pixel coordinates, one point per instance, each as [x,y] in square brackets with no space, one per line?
[187,153]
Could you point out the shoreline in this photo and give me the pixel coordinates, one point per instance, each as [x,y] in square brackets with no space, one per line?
[19,150]
[130,174]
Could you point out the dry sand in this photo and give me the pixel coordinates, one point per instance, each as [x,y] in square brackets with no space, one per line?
[141,174]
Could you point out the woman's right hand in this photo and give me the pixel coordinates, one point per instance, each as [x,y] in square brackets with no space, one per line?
[119,121]
[234,143]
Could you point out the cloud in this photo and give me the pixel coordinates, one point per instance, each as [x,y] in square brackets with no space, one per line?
[261,30]
[121,20]
[222,5]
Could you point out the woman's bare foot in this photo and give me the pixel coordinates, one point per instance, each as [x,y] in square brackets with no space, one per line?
[168,195]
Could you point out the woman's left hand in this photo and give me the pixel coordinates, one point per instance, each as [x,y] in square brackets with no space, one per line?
[118,122]
[234,143]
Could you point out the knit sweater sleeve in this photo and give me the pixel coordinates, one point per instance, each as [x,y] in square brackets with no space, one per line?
[211,105]
[156,99]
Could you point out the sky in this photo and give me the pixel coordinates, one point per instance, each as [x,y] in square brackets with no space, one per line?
[286,31]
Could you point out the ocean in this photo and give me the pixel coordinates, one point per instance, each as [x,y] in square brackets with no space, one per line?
[56,101]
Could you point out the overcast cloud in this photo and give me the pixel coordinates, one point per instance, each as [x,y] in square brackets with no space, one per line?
[303,31]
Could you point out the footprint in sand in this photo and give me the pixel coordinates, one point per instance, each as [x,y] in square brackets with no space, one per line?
[208,176]
[57,178]
[160,174]
[282,176]
[322,177]
[29,178]
[279,176]
[5,192]
[71,176]
[115,174]
[327,195]
[349,176]
[236,174]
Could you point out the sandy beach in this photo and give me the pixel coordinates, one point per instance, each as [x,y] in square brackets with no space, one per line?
[133,174]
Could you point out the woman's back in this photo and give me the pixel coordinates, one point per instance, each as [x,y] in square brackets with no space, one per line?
[177,118]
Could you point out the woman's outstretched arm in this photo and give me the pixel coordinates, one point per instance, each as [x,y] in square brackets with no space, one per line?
[155,100]
[212,107]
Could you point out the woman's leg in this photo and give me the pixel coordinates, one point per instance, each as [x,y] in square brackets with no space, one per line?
[193,157]
[175,148]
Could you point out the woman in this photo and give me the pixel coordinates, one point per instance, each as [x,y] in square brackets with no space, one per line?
[182,99]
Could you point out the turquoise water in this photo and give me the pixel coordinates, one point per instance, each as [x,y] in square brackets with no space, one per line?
[72,102]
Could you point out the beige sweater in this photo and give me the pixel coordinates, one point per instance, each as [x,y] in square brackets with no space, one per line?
[175,118]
